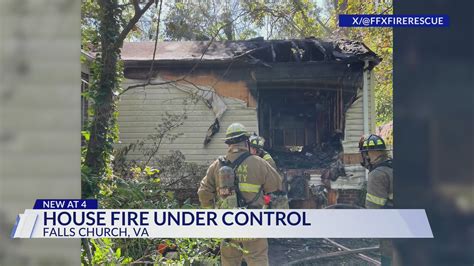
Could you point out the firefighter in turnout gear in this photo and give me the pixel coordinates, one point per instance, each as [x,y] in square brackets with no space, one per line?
[279,200]
[239,180]
[256,148]
[375,158]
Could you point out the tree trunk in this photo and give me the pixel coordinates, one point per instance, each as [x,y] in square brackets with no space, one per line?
[104,105]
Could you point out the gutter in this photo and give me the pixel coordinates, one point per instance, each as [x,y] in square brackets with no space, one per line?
[365,102]
[365,96]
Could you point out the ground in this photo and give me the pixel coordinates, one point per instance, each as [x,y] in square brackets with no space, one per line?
[282,251]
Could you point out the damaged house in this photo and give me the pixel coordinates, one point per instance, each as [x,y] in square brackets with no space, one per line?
[310,99]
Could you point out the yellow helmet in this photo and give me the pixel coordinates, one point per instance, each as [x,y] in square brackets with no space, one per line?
[256,141]
[371,143]
[235,133]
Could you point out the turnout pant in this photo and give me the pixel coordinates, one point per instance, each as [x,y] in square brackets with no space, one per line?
[256,252]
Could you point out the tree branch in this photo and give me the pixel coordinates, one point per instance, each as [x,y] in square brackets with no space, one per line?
[278,14]
[387,9]
[299,6]
[87,248]
[156,42]
[329,31]
[136,17]
[136,6]
[183,78]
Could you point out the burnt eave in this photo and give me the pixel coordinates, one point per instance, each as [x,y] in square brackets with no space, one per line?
[246,53]
[272,75]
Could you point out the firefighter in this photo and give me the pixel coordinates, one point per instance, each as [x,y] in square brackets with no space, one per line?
[279,200]
[376,159]
[256,148]
[254,178]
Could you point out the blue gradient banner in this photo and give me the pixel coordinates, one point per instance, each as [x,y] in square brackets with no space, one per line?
[72,204]
[393,20]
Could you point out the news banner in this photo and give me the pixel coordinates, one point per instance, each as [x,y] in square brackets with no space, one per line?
[70,218]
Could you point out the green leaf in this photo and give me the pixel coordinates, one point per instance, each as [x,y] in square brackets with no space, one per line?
[86,135]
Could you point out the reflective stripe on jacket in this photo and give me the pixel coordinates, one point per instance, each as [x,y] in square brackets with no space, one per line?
[379,188]
[253,173]
[268,158]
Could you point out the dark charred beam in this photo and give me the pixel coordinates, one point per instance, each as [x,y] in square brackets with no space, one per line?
[296,51]
[237,72]
[312,73]
[321,53]
[273,53]
[329,85]
[307,51]
[332,72]
[283,51]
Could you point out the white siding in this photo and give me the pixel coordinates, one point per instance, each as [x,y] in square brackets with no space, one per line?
[355,122]
[141,111]
[354,180]
[353,131]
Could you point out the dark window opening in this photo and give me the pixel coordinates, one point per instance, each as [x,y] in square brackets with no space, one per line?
[291,51]
[303,127]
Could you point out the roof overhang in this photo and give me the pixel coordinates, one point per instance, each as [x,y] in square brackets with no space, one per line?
[251,52]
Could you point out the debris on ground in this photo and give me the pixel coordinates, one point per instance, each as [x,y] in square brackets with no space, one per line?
[284,251]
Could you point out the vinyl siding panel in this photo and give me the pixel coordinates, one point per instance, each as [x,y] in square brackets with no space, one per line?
[354,180]
[141,111]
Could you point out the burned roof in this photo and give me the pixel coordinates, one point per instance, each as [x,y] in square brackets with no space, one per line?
[266,51]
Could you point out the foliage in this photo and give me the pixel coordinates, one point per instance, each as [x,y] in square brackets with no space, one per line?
[134,185]
[380,40]
[182,23]
[101,29]
[202,20]
[137,185]
[174,172]
[104,254]
[134,193]
[194,251]
[386,132]
[144,191]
